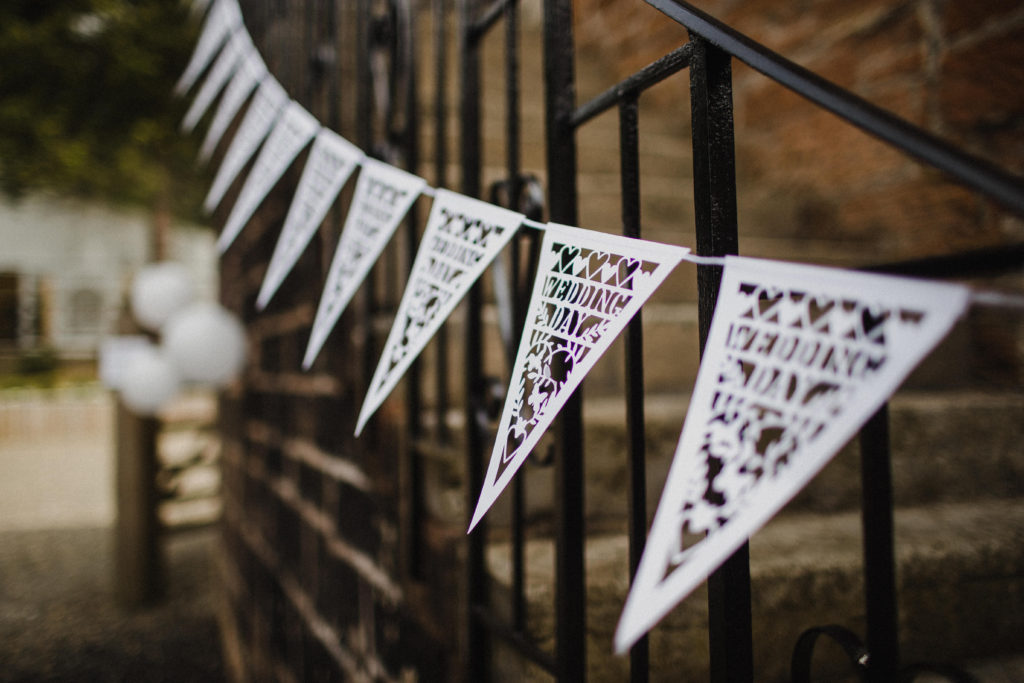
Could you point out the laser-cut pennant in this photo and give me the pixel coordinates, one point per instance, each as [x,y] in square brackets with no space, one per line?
[250,72]
[462,237]
[266,106]
[797,359]
[290,135]
[332,159]
[588,287]
[238,45]
[383,195]
[224,17]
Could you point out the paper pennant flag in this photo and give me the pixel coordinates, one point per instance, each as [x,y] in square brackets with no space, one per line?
[332,160]
[292,132]
[223,18]
[589,285]
[266,106]
[797,359]
[250,72]
[238,45]
[383,196]
[463,235]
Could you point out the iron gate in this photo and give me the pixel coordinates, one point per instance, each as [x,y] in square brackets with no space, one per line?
[384,116]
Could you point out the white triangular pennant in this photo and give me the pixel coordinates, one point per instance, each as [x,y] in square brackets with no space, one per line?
[462,237]
[797,359]
[223,18]
[292,132]
[238,45]
[588,287]
[250,72]
[382,197]
[259,118]
[332,159]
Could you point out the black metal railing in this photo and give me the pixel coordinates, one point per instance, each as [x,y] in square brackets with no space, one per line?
[386,121]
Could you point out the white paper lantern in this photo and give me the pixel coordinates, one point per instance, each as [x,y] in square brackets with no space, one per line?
[206,342]
[148,380]
[159,291]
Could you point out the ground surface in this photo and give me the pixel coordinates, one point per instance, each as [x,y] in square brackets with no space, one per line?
[59,621]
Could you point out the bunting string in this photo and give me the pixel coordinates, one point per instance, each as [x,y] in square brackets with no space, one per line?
[797,358]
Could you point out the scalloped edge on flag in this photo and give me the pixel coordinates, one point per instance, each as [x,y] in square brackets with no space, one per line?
[588,286]
[249,74]
[224,17]
[266,106]
[290,135]
[462,237]
[238,45]
[332,159]
[798,358]
[382,191]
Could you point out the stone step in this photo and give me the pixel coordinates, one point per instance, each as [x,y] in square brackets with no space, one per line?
[960,583]
[946,447]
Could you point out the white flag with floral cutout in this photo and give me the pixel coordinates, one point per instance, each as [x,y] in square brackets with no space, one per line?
[260,117]
[383,195]
[238,45]
[250,72]
[589,285]
[462,237]
[797,359]
[292,132]
[223,18]
[332,159]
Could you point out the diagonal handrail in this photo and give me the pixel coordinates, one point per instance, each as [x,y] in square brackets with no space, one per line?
[996,183]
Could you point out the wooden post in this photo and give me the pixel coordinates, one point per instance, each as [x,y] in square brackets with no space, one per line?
[138,575]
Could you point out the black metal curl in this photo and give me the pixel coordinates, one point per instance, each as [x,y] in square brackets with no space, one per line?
[391,68]
[803,653]
[524,194]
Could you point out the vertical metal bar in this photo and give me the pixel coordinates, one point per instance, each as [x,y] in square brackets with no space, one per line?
[477,655]
[714,184]
[879,555]
[512,173]
[405,63]
[629,155]
[560,101]
[364,136]
[441,179]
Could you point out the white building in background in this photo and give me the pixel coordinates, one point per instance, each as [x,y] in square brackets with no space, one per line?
[66,265]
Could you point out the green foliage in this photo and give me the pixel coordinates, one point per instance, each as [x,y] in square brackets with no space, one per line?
[85,100]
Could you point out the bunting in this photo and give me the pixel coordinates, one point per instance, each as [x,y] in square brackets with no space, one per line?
[266,106]
[463,235]
[250,72]
[237,47]
[589,285]
[292,132]
[797,359]
[383,195]
[332,160]
[224,17]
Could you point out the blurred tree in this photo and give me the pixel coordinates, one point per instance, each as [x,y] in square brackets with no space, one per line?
[86,106]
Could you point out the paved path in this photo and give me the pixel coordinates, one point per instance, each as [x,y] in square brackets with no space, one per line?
[58,618]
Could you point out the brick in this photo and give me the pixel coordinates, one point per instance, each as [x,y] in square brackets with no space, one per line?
[960,18]
[982,85]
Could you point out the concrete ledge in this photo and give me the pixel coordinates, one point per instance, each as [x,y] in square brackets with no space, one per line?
[960,574]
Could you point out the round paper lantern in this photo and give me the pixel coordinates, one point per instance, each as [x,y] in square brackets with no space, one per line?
[160,290]
[206,342]
[148,381]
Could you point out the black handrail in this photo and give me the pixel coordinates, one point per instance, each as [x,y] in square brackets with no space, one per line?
[973,171]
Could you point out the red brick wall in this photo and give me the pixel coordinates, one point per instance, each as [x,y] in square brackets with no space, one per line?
[954,68]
